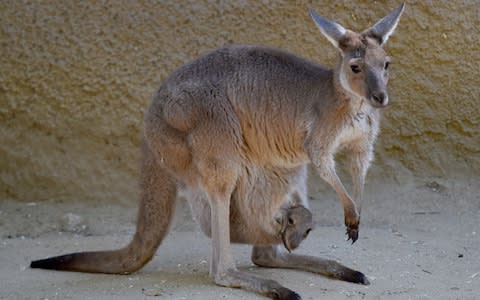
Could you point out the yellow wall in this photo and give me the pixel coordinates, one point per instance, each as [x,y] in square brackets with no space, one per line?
[75,77]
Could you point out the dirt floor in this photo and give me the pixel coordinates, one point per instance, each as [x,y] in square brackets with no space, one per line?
[419,239]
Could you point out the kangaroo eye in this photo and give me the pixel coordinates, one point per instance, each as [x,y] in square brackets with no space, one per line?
[387,64]
[291,221]
[355,69]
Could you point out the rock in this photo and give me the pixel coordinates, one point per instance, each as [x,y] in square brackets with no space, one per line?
[74,223]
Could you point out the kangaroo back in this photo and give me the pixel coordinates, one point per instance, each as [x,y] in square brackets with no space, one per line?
[158,194]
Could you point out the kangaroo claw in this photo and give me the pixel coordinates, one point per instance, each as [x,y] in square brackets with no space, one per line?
[352,234]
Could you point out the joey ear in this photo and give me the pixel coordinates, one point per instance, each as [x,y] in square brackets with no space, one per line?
[331,30]
[382,30]
[281,219]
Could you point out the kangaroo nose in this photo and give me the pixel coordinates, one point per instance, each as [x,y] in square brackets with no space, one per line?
[381,98]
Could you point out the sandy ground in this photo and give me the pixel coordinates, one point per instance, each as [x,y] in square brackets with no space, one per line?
[420,239]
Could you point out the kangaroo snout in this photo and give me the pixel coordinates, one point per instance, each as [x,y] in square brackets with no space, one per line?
[376,87]
[379,99]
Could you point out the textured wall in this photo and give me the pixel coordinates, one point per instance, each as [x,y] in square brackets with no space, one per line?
[76,76]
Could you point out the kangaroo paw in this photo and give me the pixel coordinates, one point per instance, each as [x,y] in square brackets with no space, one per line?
[352,221]
[352,234]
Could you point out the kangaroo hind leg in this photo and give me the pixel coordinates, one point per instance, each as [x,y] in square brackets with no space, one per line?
[216,164]
[274,257]
[223,270]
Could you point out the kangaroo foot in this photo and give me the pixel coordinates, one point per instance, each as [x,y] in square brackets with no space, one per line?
[266,287]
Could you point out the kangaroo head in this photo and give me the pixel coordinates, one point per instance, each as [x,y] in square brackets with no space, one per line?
[364,67]
[296,223]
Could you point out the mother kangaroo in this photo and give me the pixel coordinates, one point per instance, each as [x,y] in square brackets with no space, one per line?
[236,129]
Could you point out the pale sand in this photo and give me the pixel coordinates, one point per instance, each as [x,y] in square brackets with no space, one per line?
[418,240]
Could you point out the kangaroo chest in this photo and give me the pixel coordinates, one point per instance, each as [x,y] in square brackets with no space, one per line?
[360,129]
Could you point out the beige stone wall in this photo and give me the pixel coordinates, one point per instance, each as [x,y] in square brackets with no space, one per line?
[75,77]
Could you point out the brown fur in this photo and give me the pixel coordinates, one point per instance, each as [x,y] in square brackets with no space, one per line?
[236,129]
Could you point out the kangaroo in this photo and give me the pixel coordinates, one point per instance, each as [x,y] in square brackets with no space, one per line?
[237,127]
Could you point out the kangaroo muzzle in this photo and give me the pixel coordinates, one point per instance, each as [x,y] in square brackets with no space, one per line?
[377,90]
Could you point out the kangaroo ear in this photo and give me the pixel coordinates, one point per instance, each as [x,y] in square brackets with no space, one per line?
[331,30]
[382,30]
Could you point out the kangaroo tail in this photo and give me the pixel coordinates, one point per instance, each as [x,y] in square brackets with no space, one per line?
[157,205]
